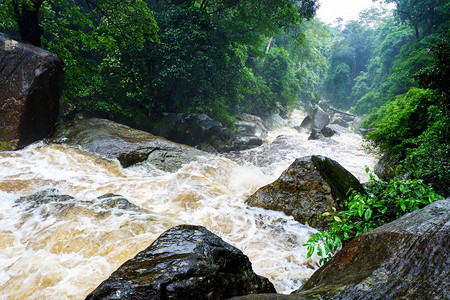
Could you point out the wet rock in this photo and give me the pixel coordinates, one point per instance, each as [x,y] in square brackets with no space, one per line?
[269,297]
[320,118]
[386,167]
[128,145]
[245,127]
[199,130]
[185,262]
[310,186]
[307,123]
[340,121]
[328,131]
[274,121]
[260,130]
[316,134]
[51,202]
[31,82]
[405,259]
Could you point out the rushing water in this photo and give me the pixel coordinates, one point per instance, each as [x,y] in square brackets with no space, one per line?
[63,249]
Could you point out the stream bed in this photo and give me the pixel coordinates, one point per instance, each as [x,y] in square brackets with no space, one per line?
[58,249]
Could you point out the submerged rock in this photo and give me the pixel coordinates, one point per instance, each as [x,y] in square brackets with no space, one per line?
[52,202]
[128,145]
[340,121]
[406,259]
[310,186]
[185,262]
[31,83]
[328,131]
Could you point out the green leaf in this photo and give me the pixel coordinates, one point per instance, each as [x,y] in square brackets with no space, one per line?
[319,251]
[361,210]
[310,251]
[403,206]
[368,214]
[337,219]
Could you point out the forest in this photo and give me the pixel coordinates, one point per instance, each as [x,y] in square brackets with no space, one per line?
[132,60]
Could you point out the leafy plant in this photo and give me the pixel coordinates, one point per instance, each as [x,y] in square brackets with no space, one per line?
[383,203]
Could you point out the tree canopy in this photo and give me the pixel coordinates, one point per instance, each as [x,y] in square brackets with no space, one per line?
[126,60]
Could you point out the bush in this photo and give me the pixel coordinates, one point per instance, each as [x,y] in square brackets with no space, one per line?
[383,203]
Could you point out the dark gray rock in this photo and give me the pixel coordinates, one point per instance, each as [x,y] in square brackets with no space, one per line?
[310,186]
[128,145]
[328,132]
[185,262]
[31,83]
[307,123]
[315,134]
[199,130]
[406,259]
[51,203]
[386,167]
[269,297]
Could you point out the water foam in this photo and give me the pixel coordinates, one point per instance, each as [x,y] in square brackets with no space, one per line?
[65,248]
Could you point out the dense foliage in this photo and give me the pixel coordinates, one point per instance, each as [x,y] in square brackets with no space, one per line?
[133,59]
[383,203]
[403,85]
[397,73]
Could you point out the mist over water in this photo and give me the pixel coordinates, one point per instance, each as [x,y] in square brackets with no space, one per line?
[64,247]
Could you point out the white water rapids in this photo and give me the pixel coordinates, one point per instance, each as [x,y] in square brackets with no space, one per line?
[64,250]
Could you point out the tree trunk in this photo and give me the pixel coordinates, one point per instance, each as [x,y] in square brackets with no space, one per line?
[28,22]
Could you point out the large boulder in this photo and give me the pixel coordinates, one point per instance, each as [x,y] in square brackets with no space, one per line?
[259,130]
[31,82]
[128,145]
[405,259]
[199,130]
[310,186]
[275,121]
[320,118]
[317,120]
[185,262]
[386,167]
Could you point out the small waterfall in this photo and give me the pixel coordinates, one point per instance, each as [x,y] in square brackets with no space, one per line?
[64,247]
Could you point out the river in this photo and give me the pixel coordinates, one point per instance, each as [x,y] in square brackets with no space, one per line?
[63,249]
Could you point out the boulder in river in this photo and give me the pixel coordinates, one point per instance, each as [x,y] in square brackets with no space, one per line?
[128,145]
[340,121]
[327,131]
[310,186]
[317,120]
[199,130]
[185,262]
[320,118]
[259,128]
[31,83]
[408,258]
[307,123]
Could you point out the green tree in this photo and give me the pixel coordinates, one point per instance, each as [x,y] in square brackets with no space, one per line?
[349,57]
[205,46]
[424,16]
